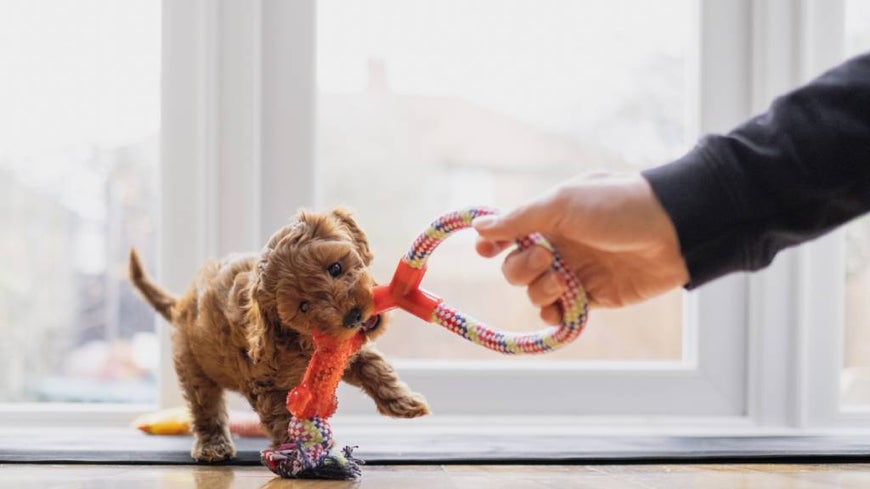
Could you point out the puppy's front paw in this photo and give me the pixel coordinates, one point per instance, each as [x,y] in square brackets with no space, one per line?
[216,449]
[411,405]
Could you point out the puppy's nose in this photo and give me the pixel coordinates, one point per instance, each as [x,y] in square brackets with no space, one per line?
[353,317]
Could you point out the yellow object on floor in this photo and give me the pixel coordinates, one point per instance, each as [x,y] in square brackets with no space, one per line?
[176,421]
[173,421]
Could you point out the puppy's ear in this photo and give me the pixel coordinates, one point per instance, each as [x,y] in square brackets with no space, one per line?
[344,217]
[255,322]
[259,296]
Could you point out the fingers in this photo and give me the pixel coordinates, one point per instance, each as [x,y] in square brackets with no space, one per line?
[538,216]
[546,289]
[489,249]
[532,268]
[551,314]
[522,267]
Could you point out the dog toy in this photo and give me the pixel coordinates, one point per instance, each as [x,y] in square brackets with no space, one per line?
[404,292]
[309,453]
[177,421]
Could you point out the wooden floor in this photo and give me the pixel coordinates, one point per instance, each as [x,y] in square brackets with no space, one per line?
[448,476]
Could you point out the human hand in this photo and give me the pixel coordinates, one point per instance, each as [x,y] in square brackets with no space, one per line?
[610,230]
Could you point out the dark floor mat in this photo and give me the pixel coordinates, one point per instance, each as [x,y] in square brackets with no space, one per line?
[127,447]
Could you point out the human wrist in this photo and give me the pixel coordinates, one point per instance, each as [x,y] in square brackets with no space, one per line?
[695,191]
[664,230]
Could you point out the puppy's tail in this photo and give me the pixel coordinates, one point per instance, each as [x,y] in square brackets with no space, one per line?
[161,300]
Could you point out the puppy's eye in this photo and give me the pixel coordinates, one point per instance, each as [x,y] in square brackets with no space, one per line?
[303,306]
[334,269]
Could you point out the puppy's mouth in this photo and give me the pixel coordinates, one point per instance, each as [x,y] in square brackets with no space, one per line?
[371,324]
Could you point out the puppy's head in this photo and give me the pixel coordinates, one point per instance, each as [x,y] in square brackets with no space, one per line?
[314,274]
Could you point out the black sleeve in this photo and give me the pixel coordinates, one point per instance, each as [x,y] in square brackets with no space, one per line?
[782,178]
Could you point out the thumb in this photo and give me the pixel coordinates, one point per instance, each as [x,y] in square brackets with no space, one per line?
[535,217]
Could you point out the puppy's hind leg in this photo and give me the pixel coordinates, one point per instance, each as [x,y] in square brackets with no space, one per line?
[370,371]
[210,425]
[271,406]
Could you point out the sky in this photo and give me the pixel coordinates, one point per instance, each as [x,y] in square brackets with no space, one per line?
[75,74]
[84,73]
[559,64]
[88,70]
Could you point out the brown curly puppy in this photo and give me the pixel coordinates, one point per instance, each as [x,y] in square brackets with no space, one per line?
[245,325]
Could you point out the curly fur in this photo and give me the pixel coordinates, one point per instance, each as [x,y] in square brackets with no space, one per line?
[242,326]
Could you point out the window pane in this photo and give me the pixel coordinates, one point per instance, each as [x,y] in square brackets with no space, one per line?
[856,376]
[425,107]
[79,91]
[856,373]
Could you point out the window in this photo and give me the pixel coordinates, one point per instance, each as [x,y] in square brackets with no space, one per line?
[78,162]
[403,110]
[426,107]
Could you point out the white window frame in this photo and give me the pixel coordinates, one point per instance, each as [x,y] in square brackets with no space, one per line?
[237,134]
[237,160]
[797,304]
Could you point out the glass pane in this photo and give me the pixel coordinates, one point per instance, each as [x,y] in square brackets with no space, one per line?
[857,26]
[79,91]
[425,107]
[856,374]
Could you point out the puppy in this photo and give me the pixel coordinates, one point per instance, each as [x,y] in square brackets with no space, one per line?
[245,324]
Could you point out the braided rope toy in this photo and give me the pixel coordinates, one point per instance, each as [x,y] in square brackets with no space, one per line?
[404,292]
[309,453]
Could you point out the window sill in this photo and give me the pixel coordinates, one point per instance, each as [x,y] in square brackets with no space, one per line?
[69,415]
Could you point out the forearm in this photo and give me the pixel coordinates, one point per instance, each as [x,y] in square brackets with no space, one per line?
[782,178]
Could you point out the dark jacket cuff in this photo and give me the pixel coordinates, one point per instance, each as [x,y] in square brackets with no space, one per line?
[697,193]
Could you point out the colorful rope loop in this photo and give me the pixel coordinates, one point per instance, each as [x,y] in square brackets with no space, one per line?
[404,292]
